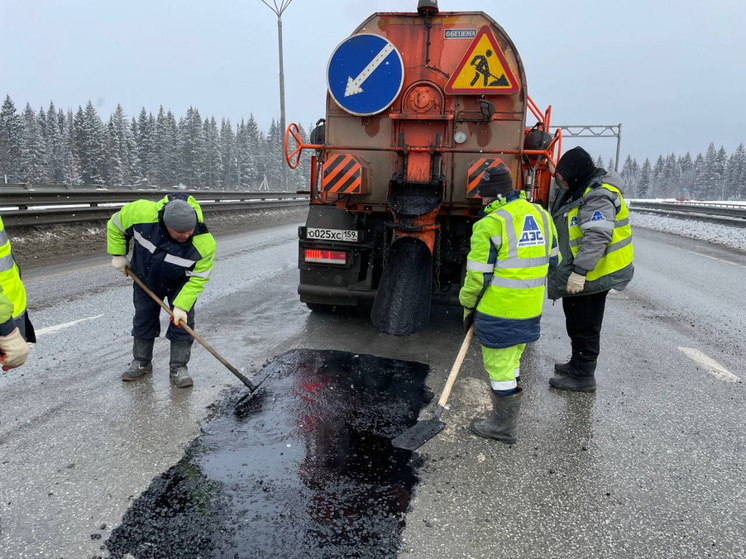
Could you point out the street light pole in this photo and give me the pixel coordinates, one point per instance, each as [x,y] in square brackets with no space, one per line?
[278,9]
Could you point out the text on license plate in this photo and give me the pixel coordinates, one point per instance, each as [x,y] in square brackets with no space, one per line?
[344,235]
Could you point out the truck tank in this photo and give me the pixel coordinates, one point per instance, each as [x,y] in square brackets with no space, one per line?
[418,106]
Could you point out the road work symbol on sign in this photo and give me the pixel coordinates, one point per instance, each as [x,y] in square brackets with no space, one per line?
[483,69]
[365,74]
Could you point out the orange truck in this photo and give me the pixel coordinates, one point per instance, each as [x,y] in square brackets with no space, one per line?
[418,106]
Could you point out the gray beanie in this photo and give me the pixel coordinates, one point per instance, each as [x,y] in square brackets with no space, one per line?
[179,216]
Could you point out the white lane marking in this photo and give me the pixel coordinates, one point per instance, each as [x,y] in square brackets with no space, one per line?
[709,364]
[58,327]
[718,259]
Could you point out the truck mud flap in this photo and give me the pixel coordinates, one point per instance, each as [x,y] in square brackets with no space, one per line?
[402,303]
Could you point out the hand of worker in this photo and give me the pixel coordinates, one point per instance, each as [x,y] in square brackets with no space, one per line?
[120,263]
[179,316]
[13,350]
[468,319]
[575,284]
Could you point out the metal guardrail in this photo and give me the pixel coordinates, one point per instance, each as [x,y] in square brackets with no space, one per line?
[729,214]
[45,206]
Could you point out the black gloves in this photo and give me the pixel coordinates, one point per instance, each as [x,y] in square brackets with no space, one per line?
[468,319]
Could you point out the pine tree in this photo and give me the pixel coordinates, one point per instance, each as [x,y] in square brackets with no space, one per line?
[228,154]
[71,161]
[33,153]
[721,163]
[166,149]
[274,156]
[657,181]
[599,163]
[739,178]
[686,167]
[699,188]
[646,175]
[118,156]
[192,144]
[145,139]
[212,163]
[90,145]
[11,142]
[629,174]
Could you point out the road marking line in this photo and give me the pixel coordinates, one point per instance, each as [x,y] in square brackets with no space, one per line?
[718,259]
[53,329]
[709,364]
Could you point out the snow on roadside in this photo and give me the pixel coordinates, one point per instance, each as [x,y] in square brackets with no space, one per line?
[726,235]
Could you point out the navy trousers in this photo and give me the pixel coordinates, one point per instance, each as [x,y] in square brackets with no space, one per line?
[147,323]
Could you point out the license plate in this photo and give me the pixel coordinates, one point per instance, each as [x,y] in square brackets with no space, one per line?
[343,235]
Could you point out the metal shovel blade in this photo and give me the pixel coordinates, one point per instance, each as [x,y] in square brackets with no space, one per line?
[414,437]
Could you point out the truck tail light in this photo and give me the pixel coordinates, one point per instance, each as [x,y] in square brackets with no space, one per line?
[326,256]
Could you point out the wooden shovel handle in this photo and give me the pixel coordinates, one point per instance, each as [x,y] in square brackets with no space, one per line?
[456,367]
[192,333]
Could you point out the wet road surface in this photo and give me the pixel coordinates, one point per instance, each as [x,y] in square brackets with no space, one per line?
[303,469]
[652,465]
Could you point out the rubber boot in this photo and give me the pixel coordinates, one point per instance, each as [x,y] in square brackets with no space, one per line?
[142,351]
[578,378]
[501,425]
[180,354]
[562,368]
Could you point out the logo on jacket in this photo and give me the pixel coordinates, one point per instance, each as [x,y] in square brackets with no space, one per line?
[574,221]
[531,234]
[598,216]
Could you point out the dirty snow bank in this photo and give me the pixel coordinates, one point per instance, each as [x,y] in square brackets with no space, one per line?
[726,235]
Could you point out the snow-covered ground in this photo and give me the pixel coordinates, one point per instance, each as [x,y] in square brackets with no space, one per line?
[730,236]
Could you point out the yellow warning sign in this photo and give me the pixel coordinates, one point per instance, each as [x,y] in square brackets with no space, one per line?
[483,69]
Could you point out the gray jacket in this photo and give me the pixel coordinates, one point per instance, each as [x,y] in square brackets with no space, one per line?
[595,240]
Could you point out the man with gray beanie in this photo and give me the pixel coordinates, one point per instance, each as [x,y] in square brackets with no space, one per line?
[512,247]
[172,254]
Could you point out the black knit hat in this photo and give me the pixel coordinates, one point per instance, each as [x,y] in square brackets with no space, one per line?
[494,181]
[575,166]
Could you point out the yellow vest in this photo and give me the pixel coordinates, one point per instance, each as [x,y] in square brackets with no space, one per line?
[10,279]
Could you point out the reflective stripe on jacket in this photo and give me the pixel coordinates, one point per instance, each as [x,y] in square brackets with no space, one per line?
[12,292]
[511,250]
[595,237]
[179,270]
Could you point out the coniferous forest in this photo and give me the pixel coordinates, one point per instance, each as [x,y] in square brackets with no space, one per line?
[57,146]
[78,148]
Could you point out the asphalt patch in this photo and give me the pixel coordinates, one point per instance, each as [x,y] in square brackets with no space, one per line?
[305,468]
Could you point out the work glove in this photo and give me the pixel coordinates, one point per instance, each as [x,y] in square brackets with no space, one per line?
[120,263]
[468,319]
[13,350]
[179,316]
[575,284]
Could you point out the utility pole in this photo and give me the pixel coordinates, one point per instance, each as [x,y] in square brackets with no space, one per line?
[278,9]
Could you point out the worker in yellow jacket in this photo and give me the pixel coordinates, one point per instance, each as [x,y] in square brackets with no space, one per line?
[173,254]
[512,247]
[15,326]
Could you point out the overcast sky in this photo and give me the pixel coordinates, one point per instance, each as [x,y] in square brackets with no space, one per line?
[672,72]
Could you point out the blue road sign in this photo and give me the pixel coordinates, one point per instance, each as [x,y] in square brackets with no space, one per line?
[365,74]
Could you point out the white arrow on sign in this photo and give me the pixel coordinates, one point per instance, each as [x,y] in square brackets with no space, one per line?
[353,86]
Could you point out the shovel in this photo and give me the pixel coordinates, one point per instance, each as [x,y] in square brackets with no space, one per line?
[414,437]
[250,385]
